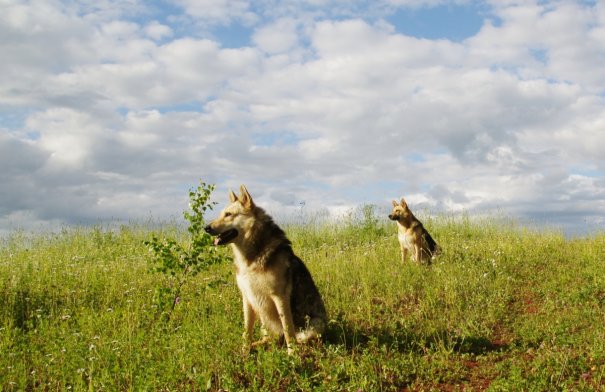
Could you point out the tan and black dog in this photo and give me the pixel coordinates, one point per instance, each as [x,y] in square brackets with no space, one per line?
[412,235]
[275,284]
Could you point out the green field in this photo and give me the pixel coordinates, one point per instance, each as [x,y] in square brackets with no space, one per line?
[504,308]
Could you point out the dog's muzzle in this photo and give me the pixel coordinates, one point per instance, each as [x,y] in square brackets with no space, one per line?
[221,238]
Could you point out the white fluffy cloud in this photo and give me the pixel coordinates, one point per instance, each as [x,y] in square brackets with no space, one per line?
[219,11]
[113,116]
[278,37]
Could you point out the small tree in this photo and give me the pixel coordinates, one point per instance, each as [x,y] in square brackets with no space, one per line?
[183,262]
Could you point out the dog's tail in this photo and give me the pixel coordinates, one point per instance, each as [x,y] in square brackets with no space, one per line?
[437,251]
[315,327]
[434,248]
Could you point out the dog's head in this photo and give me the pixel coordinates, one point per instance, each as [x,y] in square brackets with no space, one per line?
[401,212]
[234,220]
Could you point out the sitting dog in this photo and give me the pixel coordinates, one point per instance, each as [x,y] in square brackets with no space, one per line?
[412,235]
[275,284]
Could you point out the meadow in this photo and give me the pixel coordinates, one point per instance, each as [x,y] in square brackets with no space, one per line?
[503,308]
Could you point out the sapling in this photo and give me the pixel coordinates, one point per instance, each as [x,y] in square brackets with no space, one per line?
[182,262]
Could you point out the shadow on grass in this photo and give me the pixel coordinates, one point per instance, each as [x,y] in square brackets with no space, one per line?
[357,337]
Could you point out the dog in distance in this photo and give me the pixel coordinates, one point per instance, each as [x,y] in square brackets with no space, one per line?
[412,235]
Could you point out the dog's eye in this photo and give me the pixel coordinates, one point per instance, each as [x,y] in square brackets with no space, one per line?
[227,214]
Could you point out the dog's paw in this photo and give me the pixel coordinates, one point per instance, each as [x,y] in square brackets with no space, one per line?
[292,349]
[263,341]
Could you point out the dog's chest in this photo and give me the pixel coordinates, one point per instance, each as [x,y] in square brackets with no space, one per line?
[406,239]
[255,285]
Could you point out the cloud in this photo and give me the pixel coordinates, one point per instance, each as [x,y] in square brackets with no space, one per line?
[116,114]
[19,159]
[158,31]
[560,41]
[219,11]
[277,37]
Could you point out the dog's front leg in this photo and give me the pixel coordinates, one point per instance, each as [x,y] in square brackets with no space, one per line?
[404,253]
[282,304]
[418,252]
[249,318]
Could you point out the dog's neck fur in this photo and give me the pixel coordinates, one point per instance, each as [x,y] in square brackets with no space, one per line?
[408,222]
[257,246]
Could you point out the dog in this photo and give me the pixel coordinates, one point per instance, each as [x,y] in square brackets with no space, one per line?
[412,235]
[275,284]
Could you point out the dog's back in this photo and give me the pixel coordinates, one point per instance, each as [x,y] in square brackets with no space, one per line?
[429,246]
[308,309]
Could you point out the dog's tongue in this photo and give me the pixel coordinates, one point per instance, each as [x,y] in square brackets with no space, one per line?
[216,241]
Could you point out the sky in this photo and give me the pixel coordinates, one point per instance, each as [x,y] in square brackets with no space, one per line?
[111,110]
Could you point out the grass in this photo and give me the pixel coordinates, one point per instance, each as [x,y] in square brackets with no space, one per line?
[503,308]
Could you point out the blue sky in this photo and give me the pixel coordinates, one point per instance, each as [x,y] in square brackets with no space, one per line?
[110,109]
[451,22]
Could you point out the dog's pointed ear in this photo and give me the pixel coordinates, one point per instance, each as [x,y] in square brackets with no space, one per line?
[395,204]
[245,197]
[403,203]
[232,196]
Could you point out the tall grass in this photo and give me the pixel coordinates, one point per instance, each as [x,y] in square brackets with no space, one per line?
[503,308]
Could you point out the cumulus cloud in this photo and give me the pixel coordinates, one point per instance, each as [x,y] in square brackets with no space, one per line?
[219,11]
[158,31]
[277,37]
[115,114]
